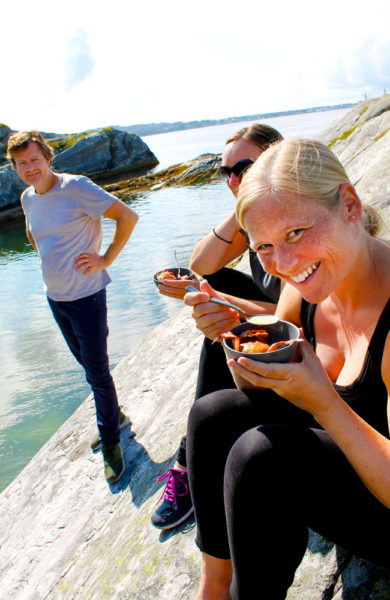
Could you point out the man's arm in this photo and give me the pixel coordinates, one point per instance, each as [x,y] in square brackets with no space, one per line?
[126,219]
[29,236]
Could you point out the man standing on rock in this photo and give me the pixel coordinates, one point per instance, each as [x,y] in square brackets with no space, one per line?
[63,223]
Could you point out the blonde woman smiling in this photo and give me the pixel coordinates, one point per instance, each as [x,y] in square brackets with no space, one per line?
[303,444]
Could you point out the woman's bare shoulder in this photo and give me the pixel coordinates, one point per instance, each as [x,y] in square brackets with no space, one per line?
[382,262]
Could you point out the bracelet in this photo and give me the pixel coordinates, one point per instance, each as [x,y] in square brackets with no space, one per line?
[220,238]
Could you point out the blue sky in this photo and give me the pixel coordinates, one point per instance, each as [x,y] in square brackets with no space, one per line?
[82,64]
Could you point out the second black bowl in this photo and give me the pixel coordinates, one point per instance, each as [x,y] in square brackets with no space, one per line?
[183,271]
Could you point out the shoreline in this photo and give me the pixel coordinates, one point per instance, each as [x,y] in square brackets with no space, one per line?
[146,129]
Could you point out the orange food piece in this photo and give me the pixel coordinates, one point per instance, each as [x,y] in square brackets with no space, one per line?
[256,341]
[254,347]
[261,335]
[277,345]
[166,275]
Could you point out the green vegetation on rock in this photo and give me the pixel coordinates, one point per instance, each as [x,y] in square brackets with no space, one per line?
[64,143]
[199,171]
[381,135]
[343,136]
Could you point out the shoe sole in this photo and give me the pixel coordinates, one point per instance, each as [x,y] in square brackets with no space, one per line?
[122,425]
[176,523]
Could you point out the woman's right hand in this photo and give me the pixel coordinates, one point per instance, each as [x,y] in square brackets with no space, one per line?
[176,288]
[212,319]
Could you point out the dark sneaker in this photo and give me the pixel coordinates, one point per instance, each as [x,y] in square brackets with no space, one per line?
[96,443]
[177,504]
[113,462]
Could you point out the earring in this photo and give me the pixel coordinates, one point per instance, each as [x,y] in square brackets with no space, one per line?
[353,217]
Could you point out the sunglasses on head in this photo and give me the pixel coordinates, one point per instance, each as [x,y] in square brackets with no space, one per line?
[238,168]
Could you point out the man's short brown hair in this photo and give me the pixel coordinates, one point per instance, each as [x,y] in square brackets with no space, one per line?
[21,139]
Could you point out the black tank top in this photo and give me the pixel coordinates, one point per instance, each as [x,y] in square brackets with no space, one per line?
[268,284]
[367,395]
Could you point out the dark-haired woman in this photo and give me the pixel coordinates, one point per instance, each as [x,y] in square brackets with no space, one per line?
[256,293]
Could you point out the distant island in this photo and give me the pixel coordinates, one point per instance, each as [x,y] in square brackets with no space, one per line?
[153,128]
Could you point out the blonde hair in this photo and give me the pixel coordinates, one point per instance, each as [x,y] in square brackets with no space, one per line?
[306,168]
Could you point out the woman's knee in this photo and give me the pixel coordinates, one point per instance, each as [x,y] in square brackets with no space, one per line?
[214,424]
[259,458]
[274,456]
[252,448]
[213,410]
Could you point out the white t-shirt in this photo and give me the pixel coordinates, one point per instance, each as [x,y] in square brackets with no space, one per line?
[65,222]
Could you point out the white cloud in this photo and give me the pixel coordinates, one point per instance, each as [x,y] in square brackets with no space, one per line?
[78,61]
[121,63]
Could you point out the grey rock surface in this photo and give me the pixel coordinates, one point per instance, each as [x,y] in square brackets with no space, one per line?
[64,534]
[107,152]
[199,171]
[11,186]
[5,131]
[361,140]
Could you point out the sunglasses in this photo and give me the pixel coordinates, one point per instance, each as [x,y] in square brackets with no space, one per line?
[238,168]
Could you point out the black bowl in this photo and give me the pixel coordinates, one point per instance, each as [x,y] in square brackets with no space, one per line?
[279,331]
[190,274]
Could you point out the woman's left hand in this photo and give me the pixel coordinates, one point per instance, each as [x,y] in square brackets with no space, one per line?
[304,383]
[176,288]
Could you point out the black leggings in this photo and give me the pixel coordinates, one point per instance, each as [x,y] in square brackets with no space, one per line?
[213,372]
[273,474]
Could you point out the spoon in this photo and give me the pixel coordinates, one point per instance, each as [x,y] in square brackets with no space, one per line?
[177,262]
[191,288]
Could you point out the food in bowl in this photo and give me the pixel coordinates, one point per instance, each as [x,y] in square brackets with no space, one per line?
[174,275]
[252,340]
[166,274]
[273,342]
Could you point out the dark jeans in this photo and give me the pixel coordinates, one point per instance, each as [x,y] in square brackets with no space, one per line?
[83,324]
[274,473]
[213,372]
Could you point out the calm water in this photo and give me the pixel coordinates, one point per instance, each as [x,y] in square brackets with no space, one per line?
[40,381]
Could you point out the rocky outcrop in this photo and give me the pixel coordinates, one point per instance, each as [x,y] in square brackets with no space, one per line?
[199,171]
[5,132]
[11,186]
[361,140]
[102,155]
